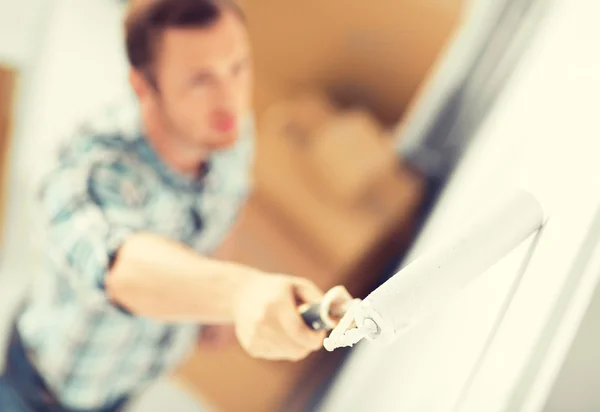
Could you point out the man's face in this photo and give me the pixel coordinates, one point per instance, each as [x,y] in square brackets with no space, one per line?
[204,82]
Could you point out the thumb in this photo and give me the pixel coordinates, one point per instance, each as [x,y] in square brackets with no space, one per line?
[306,291]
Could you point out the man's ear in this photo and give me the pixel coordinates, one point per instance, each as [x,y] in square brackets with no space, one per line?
[138,83]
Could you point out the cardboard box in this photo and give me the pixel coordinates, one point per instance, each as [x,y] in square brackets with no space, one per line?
[325,211]
[349,153]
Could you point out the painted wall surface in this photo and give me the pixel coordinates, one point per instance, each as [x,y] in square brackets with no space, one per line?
[78,66]
[542,135]
[20,30]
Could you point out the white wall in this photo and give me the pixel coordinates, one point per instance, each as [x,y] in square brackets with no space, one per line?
[20,25]
[542,135]
[78,66]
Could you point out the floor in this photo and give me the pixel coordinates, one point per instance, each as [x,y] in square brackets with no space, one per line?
[77,66]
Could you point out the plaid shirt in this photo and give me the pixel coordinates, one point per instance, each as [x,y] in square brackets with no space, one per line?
[108,184]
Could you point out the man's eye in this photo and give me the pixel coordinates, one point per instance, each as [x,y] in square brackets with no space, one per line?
[201,80]
[239,68]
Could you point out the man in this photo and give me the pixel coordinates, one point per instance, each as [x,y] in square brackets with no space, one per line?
[139,201]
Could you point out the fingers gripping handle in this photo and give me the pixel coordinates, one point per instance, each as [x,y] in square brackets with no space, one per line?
[325,315]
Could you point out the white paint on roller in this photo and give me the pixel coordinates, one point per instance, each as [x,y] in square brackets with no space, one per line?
[344,334]
[438,276]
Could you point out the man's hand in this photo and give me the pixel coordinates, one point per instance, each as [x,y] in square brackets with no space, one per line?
[267,321]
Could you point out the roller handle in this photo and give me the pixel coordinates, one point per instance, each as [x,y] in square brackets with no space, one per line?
[311,315]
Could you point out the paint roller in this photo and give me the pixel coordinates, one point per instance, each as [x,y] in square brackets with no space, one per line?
[432,280]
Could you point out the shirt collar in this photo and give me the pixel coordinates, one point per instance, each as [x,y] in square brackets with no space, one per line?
[168,174]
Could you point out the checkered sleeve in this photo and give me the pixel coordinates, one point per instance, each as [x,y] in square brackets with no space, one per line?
[91,208]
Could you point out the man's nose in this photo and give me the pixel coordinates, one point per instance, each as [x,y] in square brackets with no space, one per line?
[225,98]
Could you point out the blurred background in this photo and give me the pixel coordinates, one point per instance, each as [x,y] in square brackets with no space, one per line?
[323,70]
[363,110]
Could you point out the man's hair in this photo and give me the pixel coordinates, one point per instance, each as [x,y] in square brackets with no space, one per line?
[146,23]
